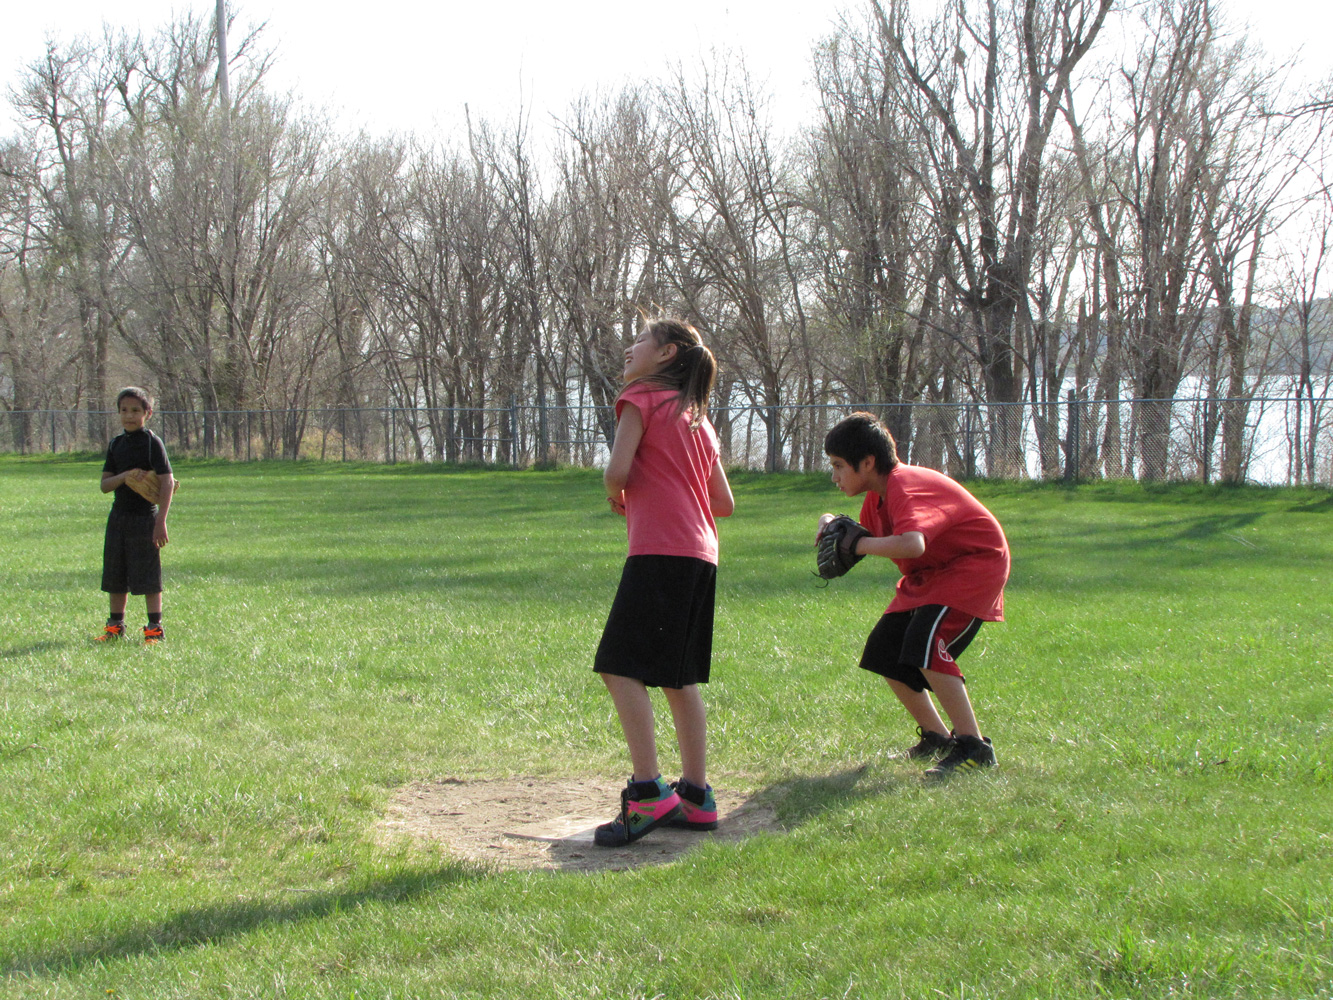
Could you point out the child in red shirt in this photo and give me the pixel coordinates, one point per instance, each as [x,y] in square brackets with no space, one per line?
[665,477]
[954,561]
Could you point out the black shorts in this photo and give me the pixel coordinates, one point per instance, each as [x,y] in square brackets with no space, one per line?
[131,563]
[660,629]
[905,643]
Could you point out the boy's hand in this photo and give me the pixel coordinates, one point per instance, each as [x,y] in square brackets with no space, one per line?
[160,531]
[835,552]
[617,503]
[824,520]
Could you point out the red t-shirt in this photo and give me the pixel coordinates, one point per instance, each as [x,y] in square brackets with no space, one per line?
[966,562]
[667,510]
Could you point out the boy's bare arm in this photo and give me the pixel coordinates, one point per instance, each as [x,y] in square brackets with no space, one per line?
[110,481]
[908,545]
[166,485]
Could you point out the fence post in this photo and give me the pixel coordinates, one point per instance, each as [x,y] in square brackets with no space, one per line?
[1072,438]
[970,459]
[772,463]
[513,431]
[53,432]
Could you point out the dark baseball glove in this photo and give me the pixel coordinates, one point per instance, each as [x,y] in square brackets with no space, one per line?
[835,549]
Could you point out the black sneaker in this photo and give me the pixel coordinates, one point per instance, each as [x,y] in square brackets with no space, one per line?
[932,745]
[153,634]
[968,754]
[113,630]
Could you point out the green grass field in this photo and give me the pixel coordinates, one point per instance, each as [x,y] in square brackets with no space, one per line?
[200,819]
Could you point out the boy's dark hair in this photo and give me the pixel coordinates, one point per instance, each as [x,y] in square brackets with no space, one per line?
[860,435]
[134,392]
[691,372]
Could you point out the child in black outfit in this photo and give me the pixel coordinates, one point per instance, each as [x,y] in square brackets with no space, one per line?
[136,530]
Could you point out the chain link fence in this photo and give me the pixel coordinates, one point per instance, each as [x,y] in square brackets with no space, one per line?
[1272,440]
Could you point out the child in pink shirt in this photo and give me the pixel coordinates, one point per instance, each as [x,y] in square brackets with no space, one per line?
[664,476]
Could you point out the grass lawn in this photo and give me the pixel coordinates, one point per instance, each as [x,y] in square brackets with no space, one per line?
[203,818]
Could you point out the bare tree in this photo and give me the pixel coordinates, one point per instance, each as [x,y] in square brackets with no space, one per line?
[604,240]
[70,98]
[997,121]
[864,194]
[732,248]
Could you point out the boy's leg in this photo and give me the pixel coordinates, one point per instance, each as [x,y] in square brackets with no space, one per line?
[635,710]
[932,641]
[920,707]
[115,623]
[952,693]
[690,719]
[152,632]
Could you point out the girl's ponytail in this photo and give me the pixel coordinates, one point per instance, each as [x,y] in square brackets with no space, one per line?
[691,372]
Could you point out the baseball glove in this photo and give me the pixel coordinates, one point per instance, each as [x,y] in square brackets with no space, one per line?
[144,482]
[835,549]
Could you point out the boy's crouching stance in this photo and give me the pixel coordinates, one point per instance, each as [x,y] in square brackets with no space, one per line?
[954,562]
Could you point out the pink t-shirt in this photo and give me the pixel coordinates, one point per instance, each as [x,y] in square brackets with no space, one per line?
[966,562]
[667,511]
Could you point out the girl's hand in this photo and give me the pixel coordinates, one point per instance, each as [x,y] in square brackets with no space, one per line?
[617,503]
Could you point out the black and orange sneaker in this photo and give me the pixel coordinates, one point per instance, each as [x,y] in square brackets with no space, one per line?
[932,744]
[968,754]
[113,630]
[152,634]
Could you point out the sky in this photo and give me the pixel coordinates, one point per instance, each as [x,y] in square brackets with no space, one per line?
[405,66]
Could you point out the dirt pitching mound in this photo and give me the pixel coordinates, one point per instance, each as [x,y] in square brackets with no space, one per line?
[509,824]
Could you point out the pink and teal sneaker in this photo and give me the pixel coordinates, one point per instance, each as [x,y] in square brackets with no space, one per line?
[698,807]
[644,806]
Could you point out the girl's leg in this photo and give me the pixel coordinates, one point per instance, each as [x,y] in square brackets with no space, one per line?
[952,693]
[635,710]
[687,712]
[920,707]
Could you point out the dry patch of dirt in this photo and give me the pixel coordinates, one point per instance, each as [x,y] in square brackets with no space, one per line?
[530,823]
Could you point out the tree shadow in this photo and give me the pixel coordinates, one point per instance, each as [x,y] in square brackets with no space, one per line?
[1217,524]
[216,922]
[1323,506]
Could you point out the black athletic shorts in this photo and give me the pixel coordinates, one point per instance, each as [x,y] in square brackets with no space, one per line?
[660,629]
[131,563]
[905,643]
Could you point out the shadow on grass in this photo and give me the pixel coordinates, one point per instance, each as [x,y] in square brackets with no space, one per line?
[1324,506]
[799,799]
[33,648]
[1217,524]
[216,922]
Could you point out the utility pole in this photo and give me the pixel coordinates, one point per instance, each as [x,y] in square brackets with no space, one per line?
[229,398]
